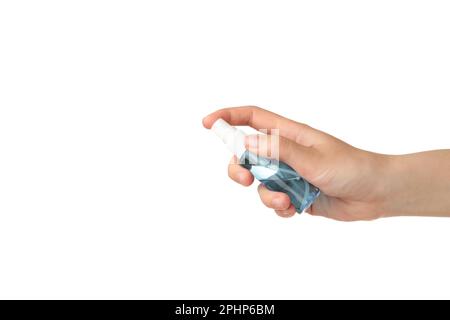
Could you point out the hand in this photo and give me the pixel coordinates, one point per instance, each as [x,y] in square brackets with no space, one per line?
[355,184]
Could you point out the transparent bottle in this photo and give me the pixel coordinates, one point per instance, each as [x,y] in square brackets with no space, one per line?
[274,174]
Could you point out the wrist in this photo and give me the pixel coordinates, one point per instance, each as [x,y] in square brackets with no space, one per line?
[420,184]
[414,185]
[387,183]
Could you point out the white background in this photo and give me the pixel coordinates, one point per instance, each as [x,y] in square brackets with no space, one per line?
[111,188]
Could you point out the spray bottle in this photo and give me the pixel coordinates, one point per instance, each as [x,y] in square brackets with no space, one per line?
[274,174]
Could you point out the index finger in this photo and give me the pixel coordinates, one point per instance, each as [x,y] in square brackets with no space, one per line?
[259,118]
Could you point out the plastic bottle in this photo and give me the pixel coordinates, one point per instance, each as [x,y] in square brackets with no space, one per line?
[275,175]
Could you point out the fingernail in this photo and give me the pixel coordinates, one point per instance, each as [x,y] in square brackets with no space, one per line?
[251,141]
[277,202]
[241,178]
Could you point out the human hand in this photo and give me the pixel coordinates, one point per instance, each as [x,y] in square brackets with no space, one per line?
[355,184]
[350,179]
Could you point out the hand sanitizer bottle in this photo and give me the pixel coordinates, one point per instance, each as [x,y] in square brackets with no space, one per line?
[275,175]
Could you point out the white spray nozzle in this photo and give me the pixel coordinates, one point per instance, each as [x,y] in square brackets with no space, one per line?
[233,138]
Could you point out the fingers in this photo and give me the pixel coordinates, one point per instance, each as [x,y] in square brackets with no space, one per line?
[304,160]
[274,200]
[263,119]
[278,201]
[290,212]
[238,173]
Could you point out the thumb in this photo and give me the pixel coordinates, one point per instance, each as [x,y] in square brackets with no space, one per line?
[304,160]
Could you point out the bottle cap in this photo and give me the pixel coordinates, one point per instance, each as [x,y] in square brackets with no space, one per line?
[233,138]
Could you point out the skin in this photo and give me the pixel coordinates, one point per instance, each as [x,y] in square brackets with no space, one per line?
[355,184]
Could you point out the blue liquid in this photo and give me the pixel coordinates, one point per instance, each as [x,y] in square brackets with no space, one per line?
[278,176]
